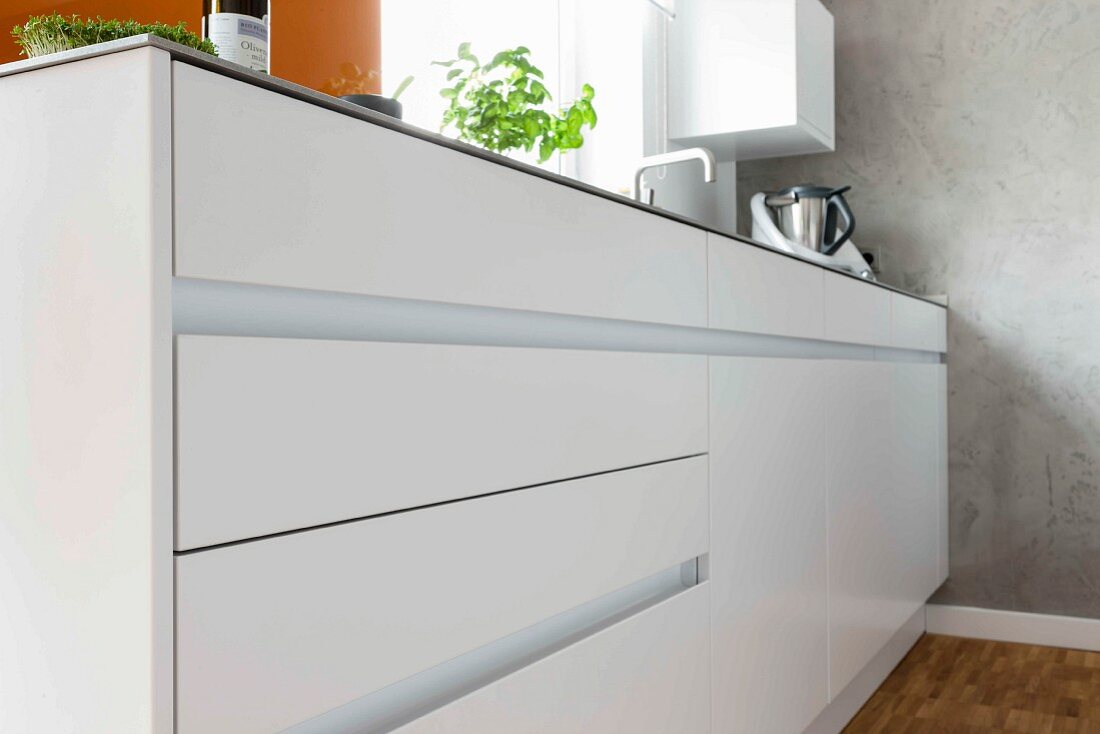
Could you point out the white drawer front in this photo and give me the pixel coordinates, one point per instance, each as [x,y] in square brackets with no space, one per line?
[330,202]
[856,312]
[646,675]
[918,325]
[273,632]
[278,434]
[762,292]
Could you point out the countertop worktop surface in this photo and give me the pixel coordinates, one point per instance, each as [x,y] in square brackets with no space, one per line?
[197,58]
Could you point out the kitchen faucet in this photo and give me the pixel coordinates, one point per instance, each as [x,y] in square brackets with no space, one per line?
[710,166]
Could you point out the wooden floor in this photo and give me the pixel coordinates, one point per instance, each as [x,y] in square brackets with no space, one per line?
[961,686]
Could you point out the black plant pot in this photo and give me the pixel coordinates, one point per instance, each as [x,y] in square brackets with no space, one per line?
[375,102]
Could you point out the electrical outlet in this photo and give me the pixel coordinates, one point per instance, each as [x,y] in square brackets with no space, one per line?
[880,260]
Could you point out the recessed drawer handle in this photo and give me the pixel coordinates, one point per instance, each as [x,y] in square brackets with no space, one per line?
[420,694]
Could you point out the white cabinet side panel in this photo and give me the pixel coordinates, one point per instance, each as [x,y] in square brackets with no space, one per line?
[816,68]
[943,566]
[918,325]
[85,397]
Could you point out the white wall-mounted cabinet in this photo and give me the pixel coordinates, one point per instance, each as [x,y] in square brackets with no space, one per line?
[752,78]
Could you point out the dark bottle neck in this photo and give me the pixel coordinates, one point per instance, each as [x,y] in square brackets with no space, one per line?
[253,8]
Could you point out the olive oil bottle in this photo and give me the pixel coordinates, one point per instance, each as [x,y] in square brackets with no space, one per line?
[240,29]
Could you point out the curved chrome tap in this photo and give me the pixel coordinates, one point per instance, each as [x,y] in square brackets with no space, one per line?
[710,168]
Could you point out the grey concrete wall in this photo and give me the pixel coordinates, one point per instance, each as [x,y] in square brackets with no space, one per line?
[970,131]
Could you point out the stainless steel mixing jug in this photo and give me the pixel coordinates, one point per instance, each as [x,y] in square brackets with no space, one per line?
[807,215]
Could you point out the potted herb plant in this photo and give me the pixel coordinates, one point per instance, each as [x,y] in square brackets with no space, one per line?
[47,34]
[500,105]
[353,83]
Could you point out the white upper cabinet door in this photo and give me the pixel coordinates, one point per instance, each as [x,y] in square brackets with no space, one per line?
[291,194]
[645,675]
[277,631]
[278,434]
[752,78]
[867,513]
[767,567]
[917,324]
[763,292]
[916,472]
[856,312]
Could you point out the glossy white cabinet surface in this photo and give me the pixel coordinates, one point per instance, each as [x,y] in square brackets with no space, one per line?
[645,675]
[361,525]
[943,565]
[762,292]
[273,632]
[917,324]
[883,476]
[336,203]
[856,312]
[915,468]
[277,434]
[86,398]
[788,45]
[767,568]
[866,511]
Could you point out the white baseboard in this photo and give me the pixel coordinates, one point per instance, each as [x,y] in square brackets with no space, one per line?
[848,702]
[1077,633]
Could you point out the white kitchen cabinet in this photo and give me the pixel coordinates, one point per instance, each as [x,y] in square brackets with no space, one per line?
[645,675]
[278,434]
[915,468]
[754,290]
[343,205]
[943,564]
[273,632]
[883,485]
[917,324]
[752,78]
[865,513]
[767,567]
[855,313]
[331,448]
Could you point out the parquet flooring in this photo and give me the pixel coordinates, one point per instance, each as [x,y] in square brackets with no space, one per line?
[951,685]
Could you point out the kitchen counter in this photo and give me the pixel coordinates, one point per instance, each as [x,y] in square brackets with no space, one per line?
[206,61]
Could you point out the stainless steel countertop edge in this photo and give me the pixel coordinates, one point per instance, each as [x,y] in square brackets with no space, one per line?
[212,63]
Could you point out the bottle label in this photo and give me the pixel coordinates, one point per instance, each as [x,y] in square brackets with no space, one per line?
[241,39]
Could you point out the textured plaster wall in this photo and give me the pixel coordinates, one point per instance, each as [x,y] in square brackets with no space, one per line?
[970,131]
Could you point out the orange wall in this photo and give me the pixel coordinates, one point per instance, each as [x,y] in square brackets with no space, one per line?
[310,41]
